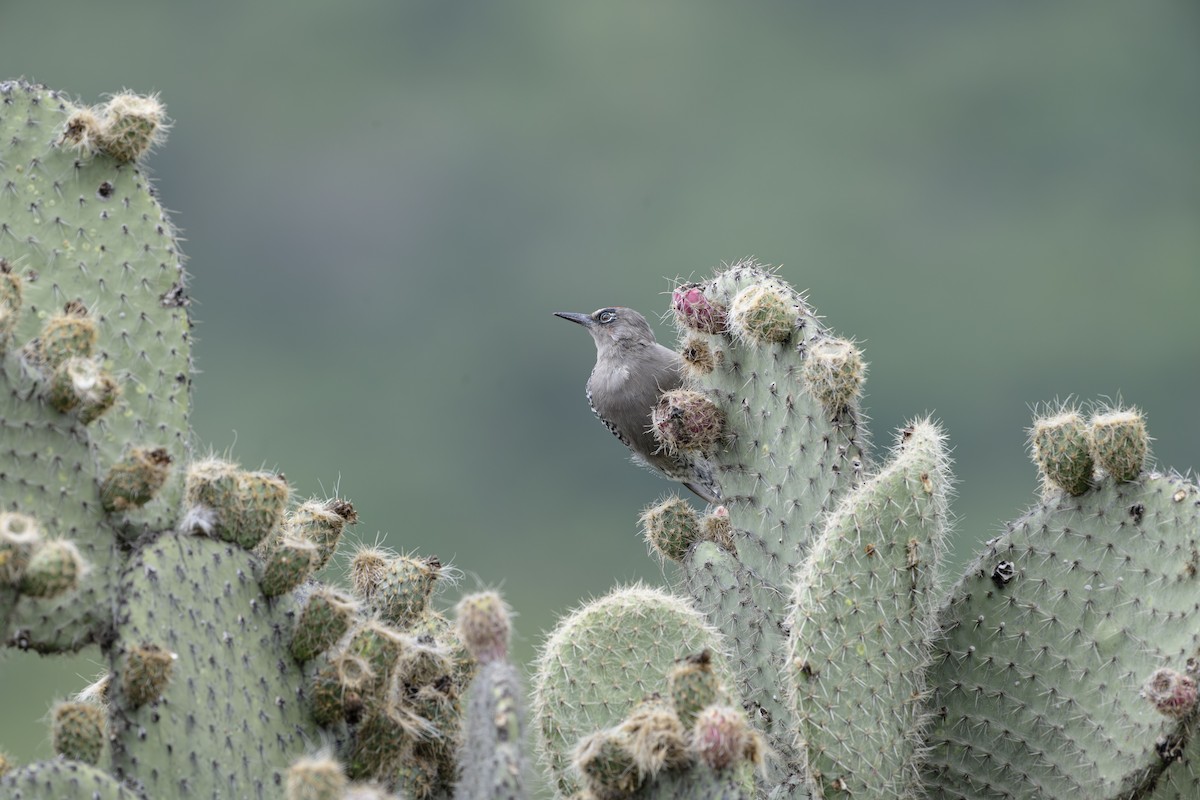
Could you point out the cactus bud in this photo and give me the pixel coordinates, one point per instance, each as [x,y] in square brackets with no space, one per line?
[366,567]
[695,310]
[6,764]
[761,314]
[1119,442]
[833,373]
[380,645]
[132,124]
[483,626]
[19,538]
[1171,692]
[147,672]
[135,479]
[1061,451]
[54,568]
[670,528]
[319,778]
[722,738]
[80,385]
[322,522]
[404,588]
[77,731]
[655,737]
[326,616]
[288,564]
[688,421]
[716,527]
[236,506]
[606,766]
[70,335]
[262,500]
[692,685]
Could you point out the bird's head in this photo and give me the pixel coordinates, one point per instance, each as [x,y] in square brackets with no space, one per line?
[613,325]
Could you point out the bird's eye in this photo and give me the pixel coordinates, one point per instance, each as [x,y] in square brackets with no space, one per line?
[607,316]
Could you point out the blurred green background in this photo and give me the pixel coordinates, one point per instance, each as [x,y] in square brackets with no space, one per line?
[383,202]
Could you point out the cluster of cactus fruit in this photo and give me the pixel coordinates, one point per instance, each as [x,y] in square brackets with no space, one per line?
[811,646]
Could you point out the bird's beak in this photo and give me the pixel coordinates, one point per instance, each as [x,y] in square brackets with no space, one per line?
[583,319]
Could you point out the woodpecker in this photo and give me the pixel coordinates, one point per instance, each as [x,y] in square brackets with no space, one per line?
[632,371]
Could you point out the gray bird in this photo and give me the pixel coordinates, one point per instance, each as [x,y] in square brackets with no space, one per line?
[631,373]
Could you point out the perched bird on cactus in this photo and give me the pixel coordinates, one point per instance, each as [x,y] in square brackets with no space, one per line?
[632,372]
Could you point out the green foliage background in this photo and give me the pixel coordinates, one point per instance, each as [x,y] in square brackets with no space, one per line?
[384,202]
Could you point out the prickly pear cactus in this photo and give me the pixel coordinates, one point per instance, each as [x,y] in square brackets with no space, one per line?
[811,648]
[232,674]
[1063,664]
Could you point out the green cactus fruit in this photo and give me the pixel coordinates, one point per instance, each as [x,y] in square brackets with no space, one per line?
[692,685]
[761,314]
[381,742]
[699,358]
[20,536]
[603,659]
[381,646]
[147,672]
[326,616]
[339,689]
[483,626]
[130,126]
[236,506]
[77,731]
[418,775]
[71,334]
[862,615]
[722,738]
[655,737]
[1062,451]
[210,490]
[81,385]
[316,778]
[1172,693]
[62,780]
[1119,442]
[834,372]
[605,766]
[403,589]
[670,528]
[262,500]
[135,479]
[287,564]
[685,420]
[1070,609]
[422,662]
[54,568]
[10,303]
[321,522]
